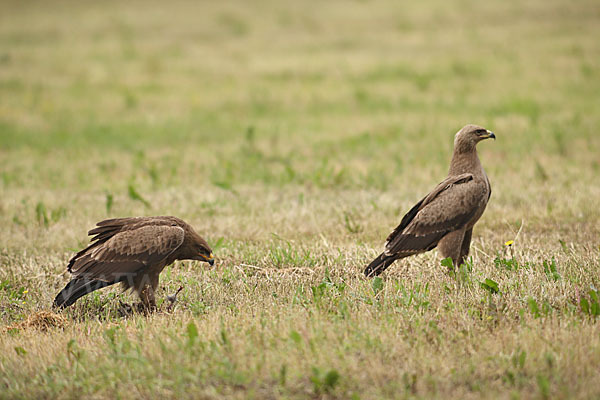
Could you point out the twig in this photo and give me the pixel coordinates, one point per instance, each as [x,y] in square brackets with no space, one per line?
[173,299]
[520,229]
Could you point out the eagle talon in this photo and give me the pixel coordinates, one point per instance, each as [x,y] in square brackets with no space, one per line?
[125,309]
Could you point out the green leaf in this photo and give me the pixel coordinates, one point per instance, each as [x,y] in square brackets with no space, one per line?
[192,332]
[109,202]
[326,382]
[564,246]
[544,386]
[551,270]
[594,303]
[319,291]
[447,262]
[282,375]
[522,358]
[295,336]
[331,379]
[593,295]
[41,214]
[505,263]
[111,336]
[225,185]
[351,225]
[585,305]
[222,184]
[595,309]
[377,284]
[490,285]
[134,195]
[20,351]
[533,307]
[224,338]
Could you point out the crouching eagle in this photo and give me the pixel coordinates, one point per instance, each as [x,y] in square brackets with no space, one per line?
[133,252]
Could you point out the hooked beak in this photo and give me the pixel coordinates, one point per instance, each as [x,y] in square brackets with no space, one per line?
[489,134]
[210,259]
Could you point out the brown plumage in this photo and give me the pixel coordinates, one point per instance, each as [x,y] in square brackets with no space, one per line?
[445,217]
[133,252]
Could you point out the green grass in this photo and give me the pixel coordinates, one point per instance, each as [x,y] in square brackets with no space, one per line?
[293,136]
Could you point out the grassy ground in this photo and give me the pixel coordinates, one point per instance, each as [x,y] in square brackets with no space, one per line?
[294,136]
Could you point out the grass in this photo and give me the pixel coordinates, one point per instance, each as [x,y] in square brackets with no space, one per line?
[294,137]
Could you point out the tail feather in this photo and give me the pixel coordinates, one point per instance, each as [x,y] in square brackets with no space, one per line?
[77,288]
[379,264]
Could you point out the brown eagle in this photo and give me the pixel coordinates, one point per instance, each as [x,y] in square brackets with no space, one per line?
[133,252]
[445,217]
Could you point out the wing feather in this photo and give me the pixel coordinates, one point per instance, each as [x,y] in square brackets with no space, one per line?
[108,228]
[127,252]
[452,204]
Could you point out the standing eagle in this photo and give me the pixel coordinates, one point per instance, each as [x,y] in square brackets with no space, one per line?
[133,252]
[445,217]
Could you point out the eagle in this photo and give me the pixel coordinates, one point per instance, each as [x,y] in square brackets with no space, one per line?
[446,216]
[132,251]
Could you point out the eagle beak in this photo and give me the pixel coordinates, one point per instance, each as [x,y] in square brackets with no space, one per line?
[210,259]
[489,135]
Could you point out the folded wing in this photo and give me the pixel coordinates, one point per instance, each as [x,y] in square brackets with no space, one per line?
[125,251]
[451,205]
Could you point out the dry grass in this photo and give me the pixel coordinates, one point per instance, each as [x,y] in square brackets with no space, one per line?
[41,320]
[294,137]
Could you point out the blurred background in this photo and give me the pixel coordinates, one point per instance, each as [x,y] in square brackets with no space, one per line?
[119,101]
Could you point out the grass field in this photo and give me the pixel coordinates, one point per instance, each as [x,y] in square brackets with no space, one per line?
[294,136]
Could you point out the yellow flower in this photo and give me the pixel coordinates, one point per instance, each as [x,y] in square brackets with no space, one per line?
[509,243]
[25,291]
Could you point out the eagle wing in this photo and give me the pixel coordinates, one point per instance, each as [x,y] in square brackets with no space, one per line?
[125,246]
[451,205]
[104,230]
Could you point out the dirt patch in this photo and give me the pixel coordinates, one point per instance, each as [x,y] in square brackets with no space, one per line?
[41,320]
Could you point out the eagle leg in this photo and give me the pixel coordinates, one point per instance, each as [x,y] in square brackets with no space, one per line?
[466,245]
[451,246]
[146,289]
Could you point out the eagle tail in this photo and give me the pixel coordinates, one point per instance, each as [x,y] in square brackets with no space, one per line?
[77,288]
[379,264]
